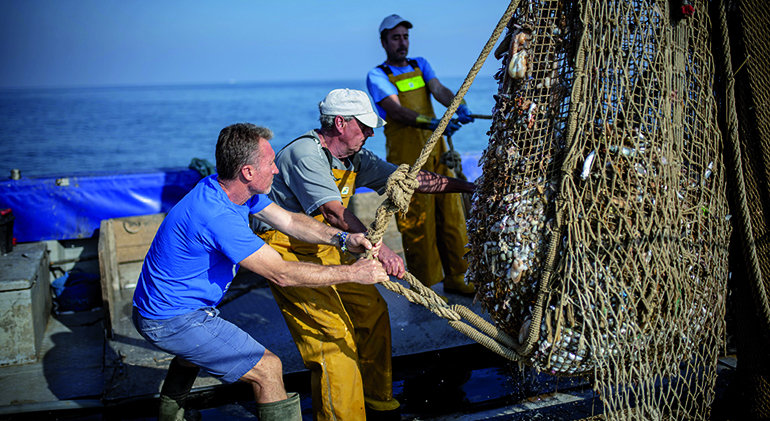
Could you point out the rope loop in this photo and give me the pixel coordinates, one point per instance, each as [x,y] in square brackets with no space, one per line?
[400,188]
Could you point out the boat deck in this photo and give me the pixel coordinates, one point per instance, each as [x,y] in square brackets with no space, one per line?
[437,370]
[439,374]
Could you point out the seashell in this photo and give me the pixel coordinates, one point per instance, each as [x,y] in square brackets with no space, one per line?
[514,275]
[520,40]
[531,114]
[587,165]
[524,330]
[517,68]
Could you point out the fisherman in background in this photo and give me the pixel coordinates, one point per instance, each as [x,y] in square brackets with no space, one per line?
[341,331]
[191,263]
[433,231]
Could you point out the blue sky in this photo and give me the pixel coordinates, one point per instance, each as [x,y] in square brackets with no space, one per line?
[65,43]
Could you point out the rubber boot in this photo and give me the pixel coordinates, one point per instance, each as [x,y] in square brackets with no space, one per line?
[288,409]
[377,410]
[176,387]
[457,285]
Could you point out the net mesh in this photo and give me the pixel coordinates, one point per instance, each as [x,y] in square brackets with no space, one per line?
[748,22]
[599,227]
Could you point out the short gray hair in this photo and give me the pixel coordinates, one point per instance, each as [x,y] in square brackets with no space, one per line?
[327,121]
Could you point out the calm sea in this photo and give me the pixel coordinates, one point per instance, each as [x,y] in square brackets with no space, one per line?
[58,132]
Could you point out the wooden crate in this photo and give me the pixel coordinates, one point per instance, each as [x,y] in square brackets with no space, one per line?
[123,243]
[25,303]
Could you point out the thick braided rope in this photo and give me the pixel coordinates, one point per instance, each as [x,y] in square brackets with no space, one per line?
[734,149]
[400,188]
[490,337]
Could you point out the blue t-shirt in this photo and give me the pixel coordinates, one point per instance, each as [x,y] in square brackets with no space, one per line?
[380,87]
[195,253]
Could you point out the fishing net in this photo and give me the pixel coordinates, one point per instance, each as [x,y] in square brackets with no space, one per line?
[599,227]
[743,33]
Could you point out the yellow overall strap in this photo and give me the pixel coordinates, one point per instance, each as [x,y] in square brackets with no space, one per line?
[404,143]
[295,250]
[413,93]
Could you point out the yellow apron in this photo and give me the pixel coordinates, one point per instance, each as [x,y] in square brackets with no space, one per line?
[433,231]
[341,331]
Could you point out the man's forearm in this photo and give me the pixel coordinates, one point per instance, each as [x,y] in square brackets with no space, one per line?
[310,230]
[435,183]
[304,274]
[268,263]
[442,94]
[342,218]
[399,113]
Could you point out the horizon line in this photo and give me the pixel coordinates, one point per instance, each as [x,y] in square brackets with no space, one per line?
[230,82]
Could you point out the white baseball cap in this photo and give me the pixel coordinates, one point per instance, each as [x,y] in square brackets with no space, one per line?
[392,21]
[347,102]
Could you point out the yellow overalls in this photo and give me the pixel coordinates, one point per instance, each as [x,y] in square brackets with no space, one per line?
[433,231]
[341,331]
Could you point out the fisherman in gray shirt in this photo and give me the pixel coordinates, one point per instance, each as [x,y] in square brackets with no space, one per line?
[341,331]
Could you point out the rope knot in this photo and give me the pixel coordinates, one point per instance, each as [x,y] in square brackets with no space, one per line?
[401,187]
[451,159]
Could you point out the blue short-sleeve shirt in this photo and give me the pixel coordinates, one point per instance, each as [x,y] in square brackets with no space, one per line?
[380,87]
[195,253]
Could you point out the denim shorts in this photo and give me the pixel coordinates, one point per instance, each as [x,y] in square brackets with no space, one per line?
[204,339]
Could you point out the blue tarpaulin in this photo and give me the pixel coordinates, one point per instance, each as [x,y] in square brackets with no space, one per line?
[69,208]
[73,207]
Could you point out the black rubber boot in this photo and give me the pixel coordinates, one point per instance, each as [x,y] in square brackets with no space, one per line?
[176,387]
[391,415]
[286,410]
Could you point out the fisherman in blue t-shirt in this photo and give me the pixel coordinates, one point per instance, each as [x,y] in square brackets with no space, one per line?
[194,256]
[433,231]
